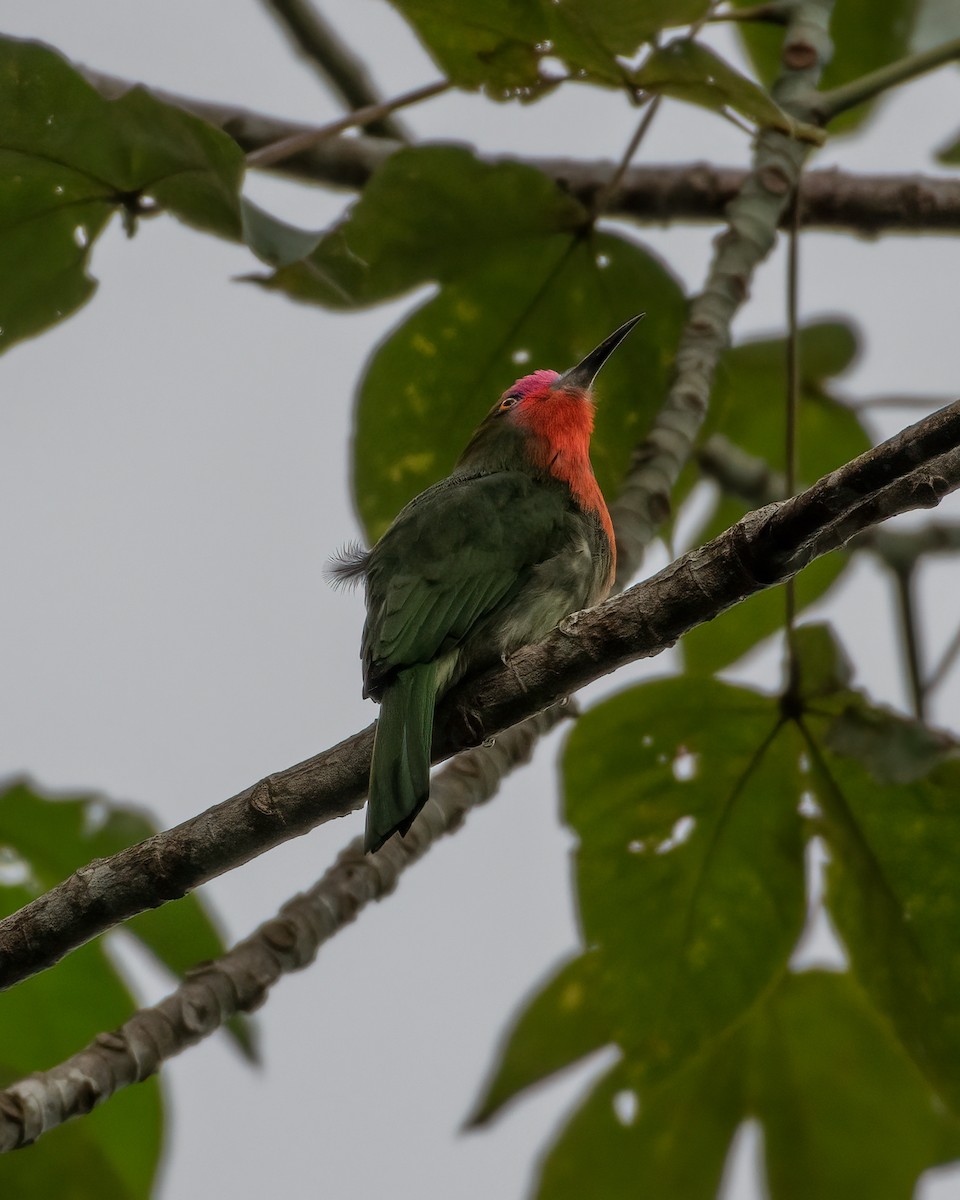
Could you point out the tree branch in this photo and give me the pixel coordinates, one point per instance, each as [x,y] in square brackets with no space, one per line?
[831,104]
[915,469]
[752,221]
[240,980]
[832,199]
[296,143]
[318,42]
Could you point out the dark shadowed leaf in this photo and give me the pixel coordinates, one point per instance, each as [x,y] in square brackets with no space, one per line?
[113,1152]
[69,159]
[53,837]
[866,34]
[844,1111]
[560,1024]
[888,792]
[690,862]
[749,409]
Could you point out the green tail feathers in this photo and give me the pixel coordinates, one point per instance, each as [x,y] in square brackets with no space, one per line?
[400,769]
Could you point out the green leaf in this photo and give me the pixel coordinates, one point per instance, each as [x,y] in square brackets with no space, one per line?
[688,71]
[274,241]
[524,284]
[823,668]
[559,1025]
[690,861]
[430,213]
[844,1111]
[69,159]
[949,154]
[866,34]
[749,409]
[54,837]
[490,43]
[498,44]
[114,1151]
[888,792]
[542,303]
[668,1141]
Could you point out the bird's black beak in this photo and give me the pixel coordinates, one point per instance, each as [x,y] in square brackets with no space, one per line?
[585,372]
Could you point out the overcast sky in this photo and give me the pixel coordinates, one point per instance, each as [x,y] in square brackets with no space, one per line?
[173,473]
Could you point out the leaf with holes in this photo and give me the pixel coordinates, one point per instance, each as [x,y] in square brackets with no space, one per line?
[689,867]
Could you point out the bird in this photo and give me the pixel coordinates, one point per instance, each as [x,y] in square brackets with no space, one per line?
[516,538]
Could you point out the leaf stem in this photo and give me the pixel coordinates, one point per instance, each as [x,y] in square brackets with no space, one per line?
[609,189]
[793,403]
[906,609]
[838,100]
[273,153]
[949,657]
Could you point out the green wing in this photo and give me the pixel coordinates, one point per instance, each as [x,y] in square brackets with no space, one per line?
[454,555]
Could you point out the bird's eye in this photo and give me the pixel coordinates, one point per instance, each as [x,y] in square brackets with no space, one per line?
[508,402]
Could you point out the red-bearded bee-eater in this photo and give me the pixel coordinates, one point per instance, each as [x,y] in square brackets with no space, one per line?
[516,538]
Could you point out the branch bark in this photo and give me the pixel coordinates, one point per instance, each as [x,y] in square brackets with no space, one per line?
[283,805]
[240,980]
[752,221]
[700,192]
[915,469]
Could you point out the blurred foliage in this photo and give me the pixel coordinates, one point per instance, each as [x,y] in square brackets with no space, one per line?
[694,802]
[53,1015]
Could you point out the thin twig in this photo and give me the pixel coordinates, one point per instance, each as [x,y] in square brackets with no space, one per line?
[792,410]
[316,39]
[753,217]
[606,193]
[906,609]
[947,660]
[831,104]
[289,146]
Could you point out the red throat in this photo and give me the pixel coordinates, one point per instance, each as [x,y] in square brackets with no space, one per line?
[561,424]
